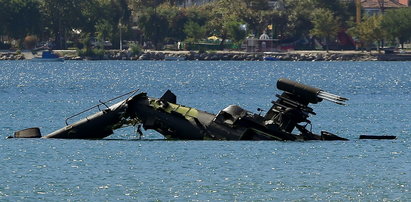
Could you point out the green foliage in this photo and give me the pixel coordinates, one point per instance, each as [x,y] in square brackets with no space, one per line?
[257,4]
[225,18]
[144,4]
[342,9]
[121,10]
[19,18]
[397,23]
[154,26]
[98,52]
[104,31]
[369,30]
[219,15]
[4,15]
[95,53]
[86,45]
[299,18]
[161,21]
[60,16]
[176,19]
[194,31]
[235,32]
[135,49]
[325,24]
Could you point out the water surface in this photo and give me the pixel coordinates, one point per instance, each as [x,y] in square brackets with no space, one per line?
[124,168]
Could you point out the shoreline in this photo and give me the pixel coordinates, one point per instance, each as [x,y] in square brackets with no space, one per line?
[224,55]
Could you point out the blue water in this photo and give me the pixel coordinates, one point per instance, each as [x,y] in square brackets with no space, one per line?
[124,168]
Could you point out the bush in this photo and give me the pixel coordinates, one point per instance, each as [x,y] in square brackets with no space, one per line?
[98,53]
[84,52]
[135,49]
[94,53]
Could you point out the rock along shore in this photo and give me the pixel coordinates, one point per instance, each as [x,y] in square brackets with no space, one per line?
[227,55]
[11,56]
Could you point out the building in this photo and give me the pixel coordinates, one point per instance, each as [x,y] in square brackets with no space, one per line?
[188,3]
[372,7]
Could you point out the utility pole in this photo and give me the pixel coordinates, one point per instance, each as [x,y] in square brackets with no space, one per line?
[121,39]
[358,19]
[382,5]
[382,9]
[358,11]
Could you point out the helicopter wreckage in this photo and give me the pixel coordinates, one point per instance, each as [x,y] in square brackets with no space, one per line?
[174,121]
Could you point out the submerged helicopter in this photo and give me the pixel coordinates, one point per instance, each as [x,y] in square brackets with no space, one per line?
[174,121]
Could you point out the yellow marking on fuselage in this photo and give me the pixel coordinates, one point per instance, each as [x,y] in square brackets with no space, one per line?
[187,112]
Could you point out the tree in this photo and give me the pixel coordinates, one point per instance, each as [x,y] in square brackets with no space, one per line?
[104,31]
[19,18]
[325,24]
[162,20]
[154,26]
[92,13]
[121,11]
[62,16]
[222,14]
[299,18]
[119,16]
[343,9]
[257,4]
[397,24]
[234,30]
[277,20]
[175,2]
[194,31]
[144,4]
[369,30]
[257,15]
[176,19]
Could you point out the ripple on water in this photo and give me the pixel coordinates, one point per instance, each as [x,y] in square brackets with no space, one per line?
[43,94]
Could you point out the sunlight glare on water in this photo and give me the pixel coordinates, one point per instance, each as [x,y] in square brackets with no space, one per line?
[124,168]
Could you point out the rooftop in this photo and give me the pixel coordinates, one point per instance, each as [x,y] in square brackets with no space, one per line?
[382,3]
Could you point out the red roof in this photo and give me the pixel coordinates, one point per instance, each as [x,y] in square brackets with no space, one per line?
[379,3]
